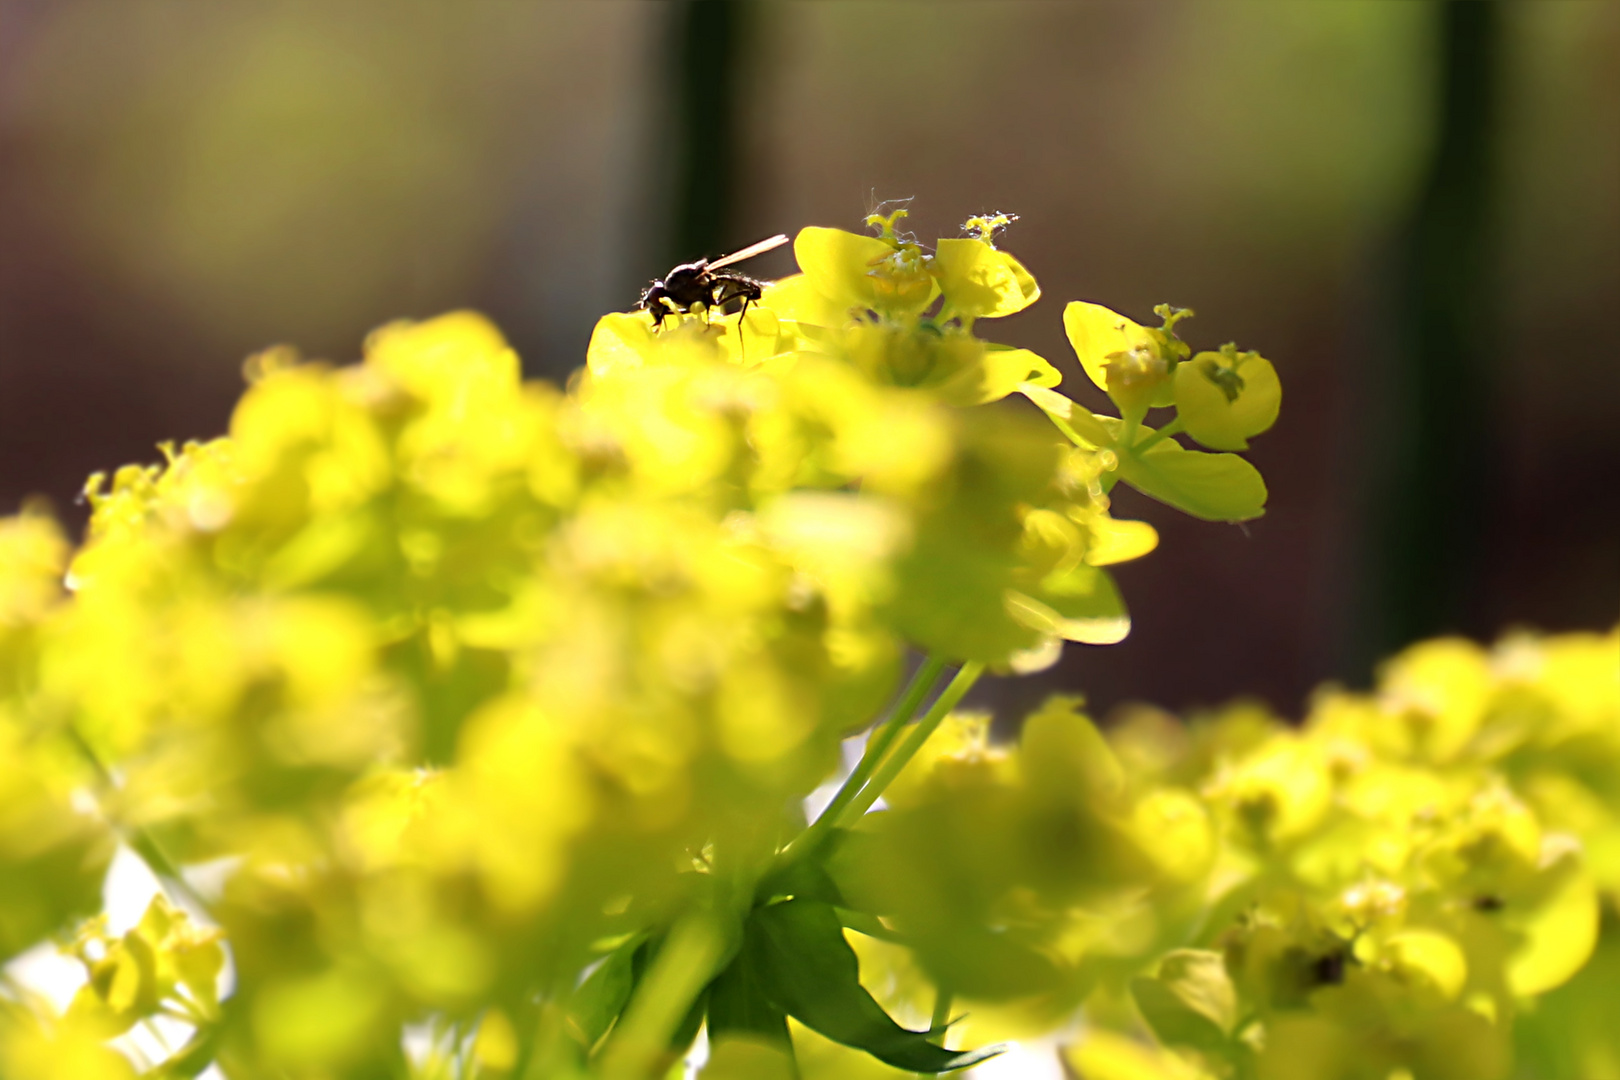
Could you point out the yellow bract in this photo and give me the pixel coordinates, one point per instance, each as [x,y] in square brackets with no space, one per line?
[57,1050]
[1100,336]
[1388,886]
[1227,398]
[981,282]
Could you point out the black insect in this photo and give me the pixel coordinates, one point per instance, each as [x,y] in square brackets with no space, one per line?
[707,282]
[1329,970]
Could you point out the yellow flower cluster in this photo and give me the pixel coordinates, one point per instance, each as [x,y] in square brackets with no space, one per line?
[465,686]
[1422,881]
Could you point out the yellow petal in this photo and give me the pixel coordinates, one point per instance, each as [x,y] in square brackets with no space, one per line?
[980,282]
[838,265]
[1114,541]
[1006,370]
[1096,333]
[1428,958]
[1561,931]
[621,341]
[798,300]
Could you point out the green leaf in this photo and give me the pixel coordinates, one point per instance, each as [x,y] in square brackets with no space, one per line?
[739,1005]
[809,972]
[602,996]
[807,878]
[1191,1002]
[686,1031]
[865,922]
[1215,487]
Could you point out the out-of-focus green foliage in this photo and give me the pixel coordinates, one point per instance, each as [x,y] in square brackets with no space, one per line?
[1417,882]
[488,710]
[1421,881]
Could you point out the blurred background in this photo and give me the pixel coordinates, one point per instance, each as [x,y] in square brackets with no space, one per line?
[1413,209]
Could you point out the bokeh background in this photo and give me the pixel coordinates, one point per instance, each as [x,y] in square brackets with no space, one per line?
[1413,209]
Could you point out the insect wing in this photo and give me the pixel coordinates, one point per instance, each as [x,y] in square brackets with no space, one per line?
[750,251]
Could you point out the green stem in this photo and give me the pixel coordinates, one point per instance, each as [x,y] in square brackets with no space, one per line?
[1122,446]
[699,945]
[941,1017]
[140,841]
[896,762]
[683,967]
[1127,434]
[942,1010]
[882,739]
[545,1051]
[1174,427]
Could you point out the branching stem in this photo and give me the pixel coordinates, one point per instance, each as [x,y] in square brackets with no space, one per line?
[896,762]
[916,692]
[1174,427]
[140,841]
[682,968]
[936,1023]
